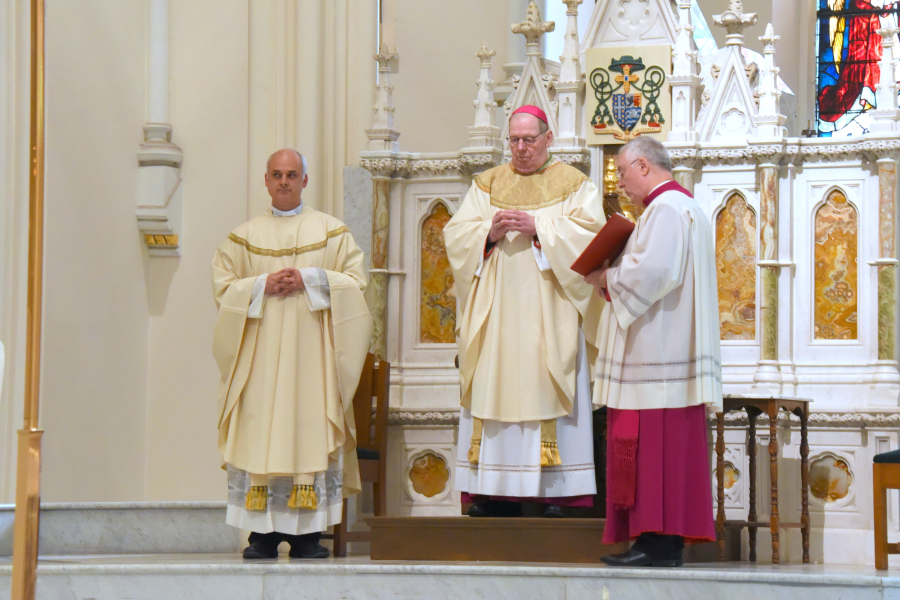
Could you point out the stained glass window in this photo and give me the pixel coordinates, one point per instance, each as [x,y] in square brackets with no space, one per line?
[849,49]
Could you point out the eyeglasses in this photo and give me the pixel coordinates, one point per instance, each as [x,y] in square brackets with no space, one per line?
[619,171]
[528,141]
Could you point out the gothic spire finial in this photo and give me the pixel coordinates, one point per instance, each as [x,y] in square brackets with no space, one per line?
[532,27]
[735,21]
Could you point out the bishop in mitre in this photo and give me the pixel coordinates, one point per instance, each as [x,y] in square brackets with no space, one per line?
[290,341]
[525,421]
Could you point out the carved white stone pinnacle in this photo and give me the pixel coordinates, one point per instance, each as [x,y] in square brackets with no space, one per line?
[532,27]
[570,67]
[572,7]
[683,54]
[382,135]
[735,21]
[383,57]
[884,118]
[769,39]
[485,54]
[484,101]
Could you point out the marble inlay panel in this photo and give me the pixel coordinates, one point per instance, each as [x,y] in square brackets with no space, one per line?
[829,479]
[887,205]
[358,208]
[835,291]
[887,312]
[429,474]
[736,269]
[437,320]
[731,476]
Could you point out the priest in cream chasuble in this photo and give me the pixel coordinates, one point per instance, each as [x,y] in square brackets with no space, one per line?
[525,421]
[659,370]
[291,338]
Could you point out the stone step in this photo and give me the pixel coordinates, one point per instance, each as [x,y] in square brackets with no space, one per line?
[228,577]
[128,528]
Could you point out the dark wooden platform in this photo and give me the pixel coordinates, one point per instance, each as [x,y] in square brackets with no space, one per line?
[520,539]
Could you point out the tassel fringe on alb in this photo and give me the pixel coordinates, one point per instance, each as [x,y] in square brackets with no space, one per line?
[303,497]
[258,498]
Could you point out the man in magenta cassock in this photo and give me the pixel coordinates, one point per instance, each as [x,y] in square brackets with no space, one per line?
[658,371]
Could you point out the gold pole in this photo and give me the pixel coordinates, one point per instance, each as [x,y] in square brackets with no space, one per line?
[28,473]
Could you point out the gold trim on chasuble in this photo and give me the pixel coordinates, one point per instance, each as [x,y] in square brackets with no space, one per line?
[510,189]
[288,251]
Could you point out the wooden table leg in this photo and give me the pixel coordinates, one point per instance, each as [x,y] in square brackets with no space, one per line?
[880,514]
[751,453]
[804,483]
[773,468]
[720,483]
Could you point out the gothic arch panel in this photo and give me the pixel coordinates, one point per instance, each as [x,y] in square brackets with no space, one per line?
[836,285]
[437,300]
[736,236]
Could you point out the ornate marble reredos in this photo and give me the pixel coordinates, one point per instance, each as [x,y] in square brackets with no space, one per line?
[793,152]
[871,420]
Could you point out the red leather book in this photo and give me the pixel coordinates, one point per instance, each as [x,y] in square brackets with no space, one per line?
[607,245]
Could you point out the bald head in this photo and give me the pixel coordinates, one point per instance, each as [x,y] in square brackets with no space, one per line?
[286,178]
[288,151]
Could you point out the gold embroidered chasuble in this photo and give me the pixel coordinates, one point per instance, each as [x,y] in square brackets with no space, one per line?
[518,326]
[288,377]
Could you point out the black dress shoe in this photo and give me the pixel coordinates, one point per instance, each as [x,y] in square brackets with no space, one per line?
[636,558]
[495,508]
[552,511]
[309,551]
[306,546]
[261,549]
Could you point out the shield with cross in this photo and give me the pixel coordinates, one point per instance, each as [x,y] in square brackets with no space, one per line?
[631,93]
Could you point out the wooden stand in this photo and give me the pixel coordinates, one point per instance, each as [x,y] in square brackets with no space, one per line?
[755,406]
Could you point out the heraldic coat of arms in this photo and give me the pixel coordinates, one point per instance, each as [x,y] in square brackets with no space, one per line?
[627,94]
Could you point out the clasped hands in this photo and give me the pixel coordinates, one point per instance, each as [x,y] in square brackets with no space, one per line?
[284,282]
[598,278]
[505,221]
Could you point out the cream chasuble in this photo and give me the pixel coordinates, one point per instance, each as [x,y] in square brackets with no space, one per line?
[288,377]
[519,328]
[659,337]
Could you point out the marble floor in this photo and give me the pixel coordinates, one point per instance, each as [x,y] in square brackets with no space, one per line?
[227,577]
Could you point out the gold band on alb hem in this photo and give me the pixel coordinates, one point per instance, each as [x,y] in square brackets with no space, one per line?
[287,251]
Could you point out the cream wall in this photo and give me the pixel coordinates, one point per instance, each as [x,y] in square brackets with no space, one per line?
[14,103]
[95,310]
[435,85]
[208,110]
[129,384]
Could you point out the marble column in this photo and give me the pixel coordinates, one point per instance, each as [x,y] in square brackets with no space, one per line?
[767,372]
[378,275]
[684,176]
[887,263]
[380,160]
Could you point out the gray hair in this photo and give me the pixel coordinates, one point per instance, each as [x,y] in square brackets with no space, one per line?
[300,156]
[649,148]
